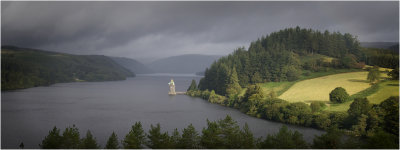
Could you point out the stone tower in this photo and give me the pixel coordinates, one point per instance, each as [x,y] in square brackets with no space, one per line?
[172,88]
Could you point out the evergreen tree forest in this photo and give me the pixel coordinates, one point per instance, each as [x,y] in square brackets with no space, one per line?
[276,57]
[221,134]
[282,56]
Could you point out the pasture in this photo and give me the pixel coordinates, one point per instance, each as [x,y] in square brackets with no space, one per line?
[386,89]
[318,89]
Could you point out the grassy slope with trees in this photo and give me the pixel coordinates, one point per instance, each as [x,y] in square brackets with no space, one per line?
[275,59]
[25,68]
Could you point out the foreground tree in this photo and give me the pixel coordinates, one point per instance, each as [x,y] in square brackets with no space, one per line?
[225,133]
[175,138]
[390,109]
[71,138]
[329,140]
[382,140]
[158,140]
[190,138]
[135,138]
[247,140]
[230,131]
[53,140]
[112,142]
[210,138]
[284,139]
[89,142]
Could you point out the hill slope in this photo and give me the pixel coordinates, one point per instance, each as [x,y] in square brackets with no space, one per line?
[132,65]
[318,89]
[277,57]
[24,68]
[190,63]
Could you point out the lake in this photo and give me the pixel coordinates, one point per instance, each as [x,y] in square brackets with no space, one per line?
[103,107]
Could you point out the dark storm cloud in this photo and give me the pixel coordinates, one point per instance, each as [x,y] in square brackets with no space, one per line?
[146,30]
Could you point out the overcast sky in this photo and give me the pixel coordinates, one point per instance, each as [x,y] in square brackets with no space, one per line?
[149,30]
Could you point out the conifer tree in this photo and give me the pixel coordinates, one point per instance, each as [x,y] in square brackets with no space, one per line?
[71,138]
[175,138]
[233,87]
[89,142]
[112,142]
[157,139]
[190,138]
[53,140]
[135,138]
[192,86]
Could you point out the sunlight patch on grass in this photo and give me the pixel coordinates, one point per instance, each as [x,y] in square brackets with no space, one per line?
[318,89]
[278,87]
[386,89]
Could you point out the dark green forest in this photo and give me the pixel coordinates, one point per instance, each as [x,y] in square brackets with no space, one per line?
[25,68]
[290,55]
[382,57]
[282,55]
[221,134]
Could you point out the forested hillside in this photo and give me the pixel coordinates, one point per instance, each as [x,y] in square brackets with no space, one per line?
[24,68]
[278,57]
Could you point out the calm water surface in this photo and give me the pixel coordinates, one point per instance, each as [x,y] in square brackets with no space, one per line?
[103,107]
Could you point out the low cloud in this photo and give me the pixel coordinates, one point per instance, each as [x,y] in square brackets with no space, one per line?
[150,30]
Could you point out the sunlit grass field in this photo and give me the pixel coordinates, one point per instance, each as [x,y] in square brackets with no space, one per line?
[318,89]
[277,87]
[386,89]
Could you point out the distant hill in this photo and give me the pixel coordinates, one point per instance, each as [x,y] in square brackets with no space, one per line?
[25,68]
[132,65]
[190,63]
[385,45]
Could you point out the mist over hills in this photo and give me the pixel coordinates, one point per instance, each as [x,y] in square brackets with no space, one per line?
[189,63]
[385,45]
[132,65]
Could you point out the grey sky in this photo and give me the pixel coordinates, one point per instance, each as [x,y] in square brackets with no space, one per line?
[150,30]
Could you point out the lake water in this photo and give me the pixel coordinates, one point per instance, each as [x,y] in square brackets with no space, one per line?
[103,107]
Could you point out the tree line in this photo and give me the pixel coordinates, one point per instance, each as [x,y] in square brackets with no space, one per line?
[381,57]
[363,120]
[276,58]
[221,134]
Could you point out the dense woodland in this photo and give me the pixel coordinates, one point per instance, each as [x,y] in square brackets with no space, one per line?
[24,68]
[283,56]
[277,57]
[221,134]
[382,57]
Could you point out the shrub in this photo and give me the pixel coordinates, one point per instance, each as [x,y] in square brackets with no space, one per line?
[317,106]
[338,95]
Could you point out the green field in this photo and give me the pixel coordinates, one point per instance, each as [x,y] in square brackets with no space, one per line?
[318,89]
[277,87]
[386,89]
